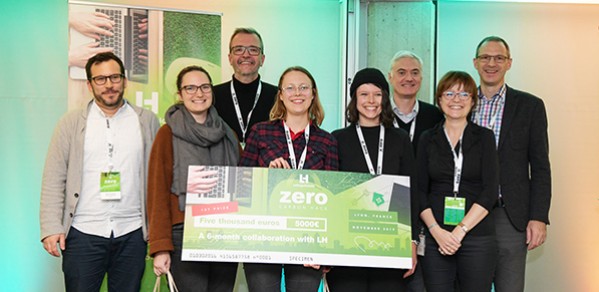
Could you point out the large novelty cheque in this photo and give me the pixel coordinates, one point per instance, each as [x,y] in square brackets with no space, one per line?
[286,216]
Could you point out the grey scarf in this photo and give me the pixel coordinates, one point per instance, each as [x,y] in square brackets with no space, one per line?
[211,143]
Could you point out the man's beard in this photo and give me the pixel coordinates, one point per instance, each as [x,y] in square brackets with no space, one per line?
[106,103]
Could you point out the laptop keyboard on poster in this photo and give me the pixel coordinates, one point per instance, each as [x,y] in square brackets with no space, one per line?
[219,191]
[139,45]
[116,40]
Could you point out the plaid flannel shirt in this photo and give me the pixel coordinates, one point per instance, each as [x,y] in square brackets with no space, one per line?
[266,142]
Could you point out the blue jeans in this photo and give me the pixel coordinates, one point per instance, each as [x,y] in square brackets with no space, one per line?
[87,258]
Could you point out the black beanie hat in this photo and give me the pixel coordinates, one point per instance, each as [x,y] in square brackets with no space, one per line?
[369,75]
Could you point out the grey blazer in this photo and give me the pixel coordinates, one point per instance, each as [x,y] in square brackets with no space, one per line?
[61,180]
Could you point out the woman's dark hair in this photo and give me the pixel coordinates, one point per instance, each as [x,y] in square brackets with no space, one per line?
[386,118]
[189,69]
[452,78]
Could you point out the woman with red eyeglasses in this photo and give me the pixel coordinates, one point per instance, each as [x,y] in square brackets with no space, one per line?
[458,183]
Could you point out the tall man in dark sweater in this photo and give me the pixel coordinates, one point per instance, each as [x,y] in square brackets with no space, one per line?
[245,100]
[414,116]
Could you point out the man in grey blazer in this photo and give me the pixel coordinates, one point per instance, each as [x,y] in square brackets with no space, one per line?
[519,122]
[93,199]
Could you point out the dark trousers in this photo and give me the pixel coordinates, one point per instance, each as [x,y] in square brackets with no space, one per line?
[512,249]
[267,277]
[470,269]
[416,280]
[200,276]
[87,258]
[359,279]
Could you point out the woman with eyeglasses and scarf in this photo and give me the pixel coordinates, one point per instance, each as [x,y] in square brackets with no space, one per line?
[194,134]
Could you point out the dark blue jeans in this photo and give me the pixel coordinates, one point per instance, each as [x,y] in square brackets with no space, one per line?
[87,258]
[267,277]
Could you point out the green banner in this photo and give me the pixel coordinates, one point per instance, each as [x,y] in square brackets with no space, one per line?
[300,217]
[154,43]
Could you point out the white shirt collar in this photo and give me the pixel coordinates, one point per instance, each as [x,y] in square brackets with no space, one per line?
[97,108]
[406,118]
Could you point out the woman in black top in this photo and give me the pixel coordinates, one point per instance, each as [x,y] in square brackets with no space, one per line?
[458,183]
[370,115]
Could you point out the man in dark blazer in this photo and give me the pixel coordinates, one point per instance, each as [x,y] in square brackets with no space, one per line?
[519,122]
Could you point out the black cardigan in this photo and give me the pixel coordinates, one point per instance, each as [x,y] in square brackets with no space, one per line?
[480,173]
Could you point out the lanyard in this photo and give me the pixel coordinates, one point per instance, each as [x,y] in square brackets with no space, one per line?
[110,146]
[294,165]
[242,124]
[412,127]
[110,134]
[496,108]
[458,160]
[494,117]
[379,163]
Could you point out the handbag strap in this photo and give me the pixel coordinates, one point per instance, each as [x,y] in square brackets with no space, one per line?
[157,284]
[325,283]
[171,282]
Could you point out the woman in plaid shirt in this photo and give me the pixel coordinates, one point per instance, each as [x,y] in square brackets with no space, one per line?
[291,139]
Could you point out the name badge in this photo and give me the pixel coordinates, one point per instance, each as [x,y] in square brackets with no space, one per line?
[455,208]
[421,245]
[110,186]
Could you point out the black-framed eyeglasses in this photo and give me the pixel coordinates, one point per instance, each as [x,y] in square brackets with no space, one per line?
[450,95]
[499,59]
[191,89]
[101,79]
[240,50]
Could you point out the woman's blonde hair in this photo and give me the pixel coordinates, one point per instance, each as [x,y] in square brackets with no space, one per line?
[315,112]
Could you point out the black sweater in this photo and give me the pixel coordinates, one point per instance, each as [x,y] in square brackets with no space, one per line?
[246,94]
[479,182]
[428,116]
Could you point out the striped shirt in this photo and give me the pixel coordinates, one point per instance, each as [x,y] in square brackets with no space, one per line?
[489,111]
